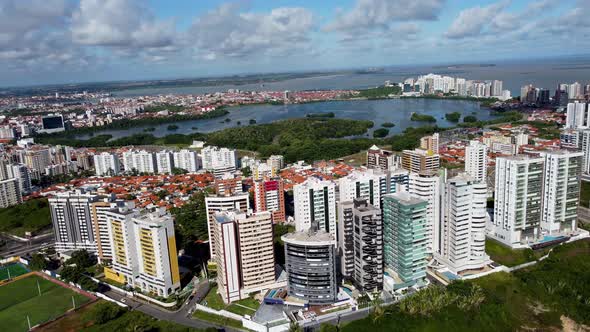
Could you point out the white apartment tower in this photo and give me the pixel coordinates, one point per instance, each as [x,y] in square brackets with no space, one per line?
[518,199]
[72,220]
[462,244]
[215,157]
[561,192]
[164,162]
[140,161]
[214,204]
[476,160]
[187,160]
[361,185]
[10,193]
[315,201]
[106,164]
[576,116]
[427,186]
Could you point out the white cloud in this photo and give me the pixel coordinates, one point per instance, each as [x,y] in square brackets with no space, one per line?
[370,15]
[472,21]
[119,23]
[227,32]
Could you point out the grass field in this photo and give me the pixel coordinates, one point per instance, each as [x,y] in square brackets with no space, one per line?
[14,269]
[214,301]
[216,319]
[502,254]
[585,194]
[31,216]
[21,298]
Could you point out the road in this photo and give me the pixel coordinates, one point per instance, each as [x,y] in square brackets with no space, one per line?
[181,316]
[16,248]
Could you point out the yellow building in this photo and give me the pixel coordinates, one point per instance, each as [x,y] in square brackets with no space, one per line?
[144,250]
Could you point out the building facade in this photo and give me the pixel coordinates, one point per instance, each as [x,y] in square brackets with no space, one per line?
[269,195]
[476,160]
[315,201]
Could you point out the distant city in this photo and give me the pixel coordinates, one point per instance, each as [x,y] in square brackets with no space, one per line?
[237,226]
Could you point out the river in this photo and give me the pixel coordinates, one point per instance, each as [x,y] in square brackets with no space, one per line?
[397,111]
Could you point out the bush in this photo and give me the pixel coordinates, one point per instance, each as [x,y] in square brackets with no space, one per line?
[380,133]
[422,117]
[469,119]
[453,117]
[387,125]
[105,311]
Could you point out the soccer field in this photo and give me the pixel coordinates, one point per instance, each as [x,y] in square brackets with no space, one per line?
[15,271]
[21,298]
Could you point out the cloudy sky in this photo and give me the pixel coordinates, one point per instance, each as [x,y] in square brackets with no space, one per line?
[61,41]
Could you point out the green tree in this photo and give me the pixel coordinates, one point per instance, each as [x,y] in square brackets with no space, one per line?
[246,171]
[470,119]
[179,171]
[38,262]
[105,311]
[82,258]
[294,327]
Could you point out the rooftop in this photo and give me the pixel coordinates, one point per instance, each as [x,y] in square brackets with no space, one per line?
[405,199]
[309,237]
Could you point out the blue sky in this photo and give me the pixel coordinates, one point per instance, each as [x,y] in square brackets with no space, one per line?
[62,41]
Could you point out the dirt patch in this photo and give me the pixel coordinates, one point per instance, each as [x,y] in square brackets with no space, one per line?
[569,325]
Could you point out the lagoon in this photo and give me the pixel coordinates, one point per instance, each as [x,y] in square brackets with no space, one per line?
[397,111]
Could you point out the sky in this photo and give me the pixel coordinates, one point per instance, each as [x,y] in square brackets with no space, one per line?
[69,41]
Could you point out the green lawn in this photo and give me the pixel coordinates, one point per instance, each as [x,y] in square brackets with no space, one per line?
[15,271]
[238,307]
[21,298]
[502,254]
[214,301]
[531,299]
[216,319]
[31,216]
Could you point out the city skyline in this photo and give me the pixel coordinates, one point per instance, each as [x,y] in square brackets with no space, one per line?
[65,41]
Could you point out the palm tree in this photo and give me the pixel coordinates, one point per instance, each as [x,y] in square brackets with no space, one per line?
[377,308]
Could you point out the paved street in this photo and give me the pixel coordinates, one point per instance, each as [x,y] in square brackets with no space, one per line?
[181,316]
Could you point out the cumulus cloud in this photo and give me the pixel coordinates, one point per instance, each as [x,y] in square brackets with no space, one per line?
[370,15]
[471,22]
[228,32]
[119,23]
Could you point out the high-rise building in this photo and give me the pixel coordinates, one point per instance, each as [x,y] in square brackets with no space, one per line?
[518,199]
[187,160]
[315,201]
[576,116]
[98,213]
[7,132]
[476,160]
[22,174]
[245,254]
[214,204]
[367,246]
[310,263]
[164,162]
[380,159]
[571,139]
[430,143]
[462,242]
[417,161]
[37,159]
[497,88]
[561,191]
[10,193]
[144,250]
[428,187]
[361,185]
[404,238]
[72,220]
[214,157]
[585,147]
[269,195]
[276,162]
[106,164]
[229,185]
[140,161]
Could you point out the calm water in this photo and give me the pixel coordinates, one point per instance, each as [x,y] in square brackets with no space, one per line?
[397,111]
[541,73]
